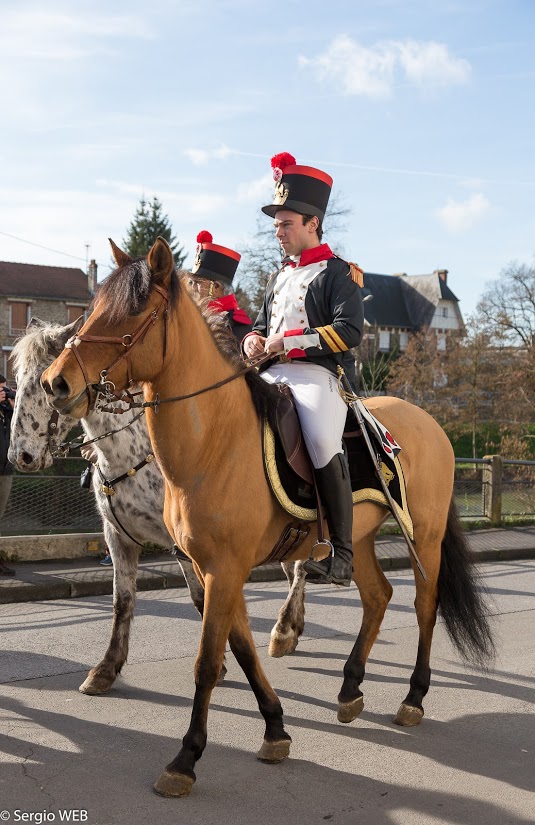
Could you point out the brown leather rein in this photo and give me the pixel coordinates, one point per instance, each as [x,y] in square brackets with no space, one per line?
[106,388]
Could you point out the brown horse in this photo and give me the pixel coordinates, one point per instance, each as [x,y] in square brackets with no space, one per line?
[220,510]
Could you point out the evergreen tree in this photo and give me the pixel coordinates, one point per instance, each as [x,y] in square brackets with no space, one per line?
[148,223]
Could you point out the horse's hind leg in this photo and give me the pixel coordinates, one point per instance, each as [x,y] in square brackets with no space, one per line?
[224,617]
[375,593]
[125,555]
[291,620]
[411,709]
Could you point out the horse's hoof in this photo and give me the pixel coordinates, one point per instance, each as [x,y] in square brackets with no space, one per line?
[282,645]
[174,784]
[96,685]
[347,711]
[408,716]
[274,751]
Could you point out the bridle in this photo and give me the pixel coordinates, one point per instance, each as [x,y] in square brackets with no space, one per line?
[106,388]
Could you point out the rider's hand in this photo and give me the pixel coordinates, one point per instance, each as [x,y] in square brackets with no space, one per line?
[274,343]
[254,345]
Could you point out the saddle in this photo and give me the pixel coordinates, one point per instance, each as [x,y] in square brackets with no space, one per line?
[290,474]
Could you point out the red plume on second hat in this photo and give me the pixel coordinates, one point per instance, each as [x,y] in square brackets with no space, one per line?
[302,189]
[214,262]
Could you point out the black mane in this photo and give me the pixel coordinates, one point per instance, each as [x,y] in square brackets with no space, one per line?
[126,290]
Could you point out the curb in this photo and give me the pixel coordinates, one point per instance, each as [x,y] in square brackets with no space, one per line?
[65,583]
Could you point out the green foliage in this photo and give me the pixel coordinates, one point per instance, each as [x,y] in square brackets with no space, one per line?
[148,223]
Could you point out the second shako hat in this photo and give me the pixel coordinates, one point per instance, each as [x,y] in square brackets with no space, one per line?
[214,262]
[302,189]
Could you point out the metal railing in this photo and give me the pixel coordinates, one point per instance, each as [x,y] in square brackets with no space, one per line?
[53,502]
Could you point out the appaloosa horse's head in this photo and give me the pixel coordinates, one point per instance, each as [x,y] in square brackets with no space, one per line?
[130,309]
[35,428]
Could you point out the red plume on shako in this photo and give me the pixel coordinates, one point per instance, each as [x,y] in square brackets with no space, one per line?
[280,162]
[204,237]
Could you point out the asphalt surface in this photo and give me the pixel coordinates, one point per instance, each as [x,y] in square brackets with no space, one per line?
[36,581]
[470,762]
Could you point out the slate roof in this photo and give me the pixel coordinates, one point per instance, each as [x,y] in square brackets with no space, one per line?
[404,301]
[34,281]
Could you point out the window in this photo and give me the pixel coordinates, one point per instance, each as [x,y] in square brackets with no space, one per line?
[73,313]
[7,366]
[444,312]
[441,342]
[19,315]
[403,341]
[384,341]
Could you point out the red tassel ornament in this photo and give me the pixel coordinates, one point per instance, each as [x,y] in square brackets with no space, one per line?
[282,160]
[204,237]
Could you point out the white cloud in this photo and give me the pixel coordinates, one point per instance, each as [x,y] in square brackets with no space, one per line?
[371,72]
[255,190]
[200,157]
[460,215]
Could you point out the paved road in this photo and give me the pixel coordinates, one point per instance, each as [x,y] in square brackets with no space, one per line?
[470,762]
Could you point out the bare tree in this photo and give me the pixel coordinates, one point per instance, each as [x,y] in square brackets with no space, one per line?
[507,308]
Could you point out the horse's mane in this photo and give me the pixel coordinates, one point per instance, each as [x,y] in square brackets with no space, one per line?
[265,396]
[36,345]
[125,292]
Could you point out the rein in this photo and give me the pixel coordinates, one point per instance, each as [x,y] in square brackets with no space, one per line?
[62,450]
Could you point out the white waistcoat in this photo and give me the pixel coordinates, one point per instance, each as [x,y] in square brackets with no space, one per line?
[288,308]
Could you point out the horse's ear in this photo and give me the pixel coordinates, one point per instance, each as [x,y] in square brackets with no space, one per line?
[120,257]
[72,329]
[160,260]
[35,323]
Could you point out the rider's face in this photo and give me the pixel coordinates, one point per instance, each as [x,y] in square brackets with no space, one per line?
[204,288]
[292,234]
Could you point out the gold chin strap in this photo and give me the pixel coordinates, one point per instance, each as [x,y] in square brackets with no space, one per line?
[211,290]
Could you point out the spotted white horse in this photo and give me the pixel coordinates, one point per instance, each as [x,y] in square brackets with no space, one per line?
[137,503]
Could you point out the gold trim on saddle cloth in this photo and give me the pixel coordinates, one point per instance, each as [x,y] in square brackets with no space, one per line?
[310,514]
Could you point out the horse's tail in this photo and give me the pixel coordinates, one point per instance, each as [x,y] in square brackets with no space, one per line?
[461,596]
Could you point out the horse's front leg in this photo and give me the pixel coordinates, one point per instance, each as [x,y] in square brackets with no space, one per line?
[291,620]
[224,616]
[125,555]
[196,591]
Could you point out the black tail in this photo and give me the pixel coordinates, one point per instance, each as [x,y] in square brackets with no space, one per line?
[461,596]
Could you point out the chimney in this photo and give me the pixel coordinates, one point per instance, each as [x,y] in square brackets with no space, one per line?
[442,273]
[92,276]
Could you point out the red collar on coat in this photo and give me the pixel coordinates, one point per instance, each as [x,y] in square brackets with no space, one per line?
[311,256]
[227,303]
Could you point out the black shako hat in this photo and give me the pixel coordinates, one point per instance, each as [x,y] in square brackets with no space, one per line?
[213,262]
[302,189]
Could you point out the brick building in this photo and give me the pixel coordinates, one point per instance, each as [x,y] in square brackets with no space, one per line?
[52,293]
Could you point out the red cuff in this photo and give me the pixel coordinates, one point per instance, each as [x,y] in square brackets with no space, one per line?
[293,332]
[296,353]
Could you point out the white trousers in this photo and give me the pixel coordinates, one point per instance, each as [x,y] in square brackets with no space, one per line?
[321,410]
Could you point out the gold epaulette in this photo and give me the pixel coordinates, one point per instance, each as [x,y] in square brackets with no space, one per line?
[355,272]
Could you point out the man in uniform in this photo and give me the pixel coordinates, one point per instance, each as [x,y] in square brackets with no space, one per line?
[311,317]
[211,277]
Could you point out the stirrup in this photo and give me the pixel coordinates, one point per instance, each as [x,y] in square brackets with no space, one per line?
[318,544]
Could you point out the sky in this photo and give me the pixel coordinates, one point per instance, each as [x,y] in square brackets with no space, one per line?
[422,111]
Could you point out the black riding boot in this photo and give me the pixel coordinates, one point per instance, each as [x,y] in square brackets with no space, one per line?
[334,487]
